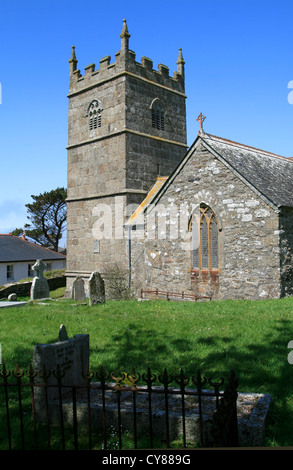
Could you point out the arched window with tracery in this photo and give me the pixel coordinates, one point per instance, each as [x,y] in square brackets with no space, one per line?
[94,115]
[204,228]
[158,115]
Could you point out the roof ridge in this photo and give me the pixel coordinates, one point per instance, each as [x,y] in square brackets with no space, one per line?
[250,147]
[32,243]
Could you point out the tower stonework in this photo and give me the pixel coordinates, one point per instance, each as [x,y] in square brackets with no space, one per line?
[126,127]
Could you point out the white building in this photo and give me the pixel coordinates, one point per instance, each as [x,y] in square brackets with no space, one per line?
[18,255]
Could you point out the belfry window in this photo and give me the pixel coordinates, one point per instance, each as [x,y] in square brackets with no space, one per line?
[158,117]
[204,230]
[94,115]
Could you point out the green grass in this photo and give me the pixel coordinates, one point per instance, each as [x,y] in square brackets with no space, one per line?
[250,336]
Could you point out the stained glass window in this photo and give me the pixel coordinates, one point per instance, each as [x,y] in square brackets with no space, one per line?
[204,239]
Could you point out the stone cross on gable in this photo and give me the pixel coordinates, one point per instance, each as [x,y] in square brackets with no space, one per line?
[200,119]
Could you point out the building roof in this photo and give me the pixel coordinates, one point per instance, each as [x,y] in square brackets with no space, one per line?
[135,217]
[13,249]
[268,174]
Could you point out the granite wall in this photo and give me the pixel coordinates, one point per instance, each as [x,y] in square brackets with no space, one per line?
[248,237]
[115,164]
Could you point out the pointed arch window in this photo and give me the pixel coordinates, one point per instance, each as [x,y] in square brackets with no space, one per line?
[94,115]
[158,115]
[204,230]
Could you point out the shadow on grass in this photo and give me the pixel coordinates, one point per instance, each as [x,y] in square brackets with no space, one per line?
[261,368]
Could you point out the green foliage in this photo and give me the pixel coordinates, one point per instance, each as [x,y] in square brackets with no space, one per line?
[54,273]
[47,275]
[48,217]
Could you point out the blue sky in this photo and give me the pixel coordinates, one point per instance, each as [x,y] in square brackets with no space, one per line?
[239,64]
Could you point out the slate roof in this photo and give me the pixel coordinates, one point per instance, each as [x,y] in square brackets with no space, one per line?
[270,174]
[13,249]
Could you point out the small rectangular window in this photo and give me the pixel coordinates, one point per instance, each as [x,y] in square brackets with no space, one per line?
[30,271]
[96,246]
[9,272]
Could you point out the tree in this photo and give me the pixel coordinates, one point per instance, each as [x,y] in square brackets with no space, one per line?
[48,218]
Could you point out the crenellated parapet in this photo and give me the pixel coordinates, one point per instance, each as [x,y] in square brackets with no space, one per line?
[125,63]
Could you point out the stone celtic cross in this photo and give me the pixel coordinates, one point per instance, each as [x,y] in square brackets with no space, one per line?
[39,267]
[200,119]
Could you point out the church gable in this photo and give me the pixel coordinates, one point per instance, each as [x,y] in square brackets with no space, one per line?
[270,176]
[209,231]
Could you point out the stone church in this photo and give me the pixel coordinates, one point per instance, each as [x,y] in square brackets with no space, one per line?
[213,220]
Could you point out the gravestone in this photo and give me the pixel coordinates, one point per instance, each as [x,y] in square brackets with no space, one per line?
[72,356]
[78,291]
[40,287]
[96,289]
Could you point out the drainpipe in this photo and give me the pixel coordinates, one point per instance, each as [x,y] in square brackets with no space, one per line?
[129,255]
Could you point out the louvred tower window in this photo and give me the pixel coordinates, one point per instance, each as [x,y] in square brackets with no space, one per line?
[158,117]
[94,115]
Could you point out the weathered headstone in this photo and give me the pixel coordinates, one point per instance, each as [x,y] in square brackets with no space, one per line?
[96,289]
[71,355]
[40,287]
[78,291]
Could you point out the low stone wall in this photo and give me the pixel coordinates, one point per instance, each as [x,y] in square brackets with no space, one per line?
[22,289]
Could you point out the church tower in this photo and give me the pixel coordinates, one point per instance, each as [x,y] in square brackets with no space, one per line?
[126,127]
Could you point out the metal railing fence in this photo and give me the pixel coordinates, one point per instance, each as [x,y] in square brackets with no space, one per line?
[139,407]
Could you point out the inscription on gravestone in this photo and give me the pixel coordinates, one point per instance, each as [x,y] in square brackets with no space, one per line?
[71,355]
